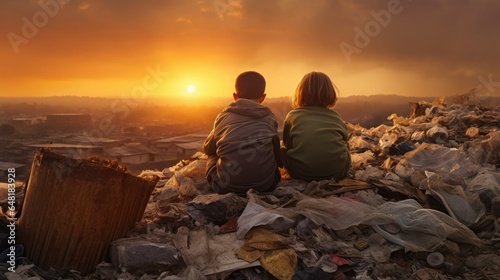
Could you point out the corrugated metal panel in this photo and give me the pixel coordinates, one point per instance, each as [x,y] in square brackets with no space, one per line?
[74,209]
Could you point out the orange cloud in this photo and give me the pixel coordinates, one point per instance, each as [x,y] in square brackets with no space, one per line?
[428,45]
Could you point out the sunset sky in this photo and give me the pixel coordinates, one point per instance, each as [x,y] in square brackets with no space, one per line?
[192,49]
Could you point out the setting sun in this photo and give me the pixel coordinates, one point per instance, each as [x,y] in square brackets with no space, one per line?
[191,89]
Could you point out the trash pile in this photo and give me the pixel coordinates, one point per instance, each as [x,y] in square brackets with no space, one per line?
[422,202]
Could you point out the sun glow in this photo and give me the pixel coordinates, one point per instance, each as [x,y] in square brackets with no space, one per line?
[191,89]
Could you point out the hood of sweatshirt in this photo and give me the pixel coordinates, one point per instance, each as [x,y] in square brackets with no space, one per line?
[249,108]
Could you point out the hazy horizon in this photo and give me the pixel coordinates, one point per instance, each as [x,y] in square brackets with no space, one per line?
[193,50]
[222,101]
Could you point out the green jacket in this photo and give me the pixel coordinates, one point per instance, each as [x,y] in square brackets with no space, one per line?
[316,144]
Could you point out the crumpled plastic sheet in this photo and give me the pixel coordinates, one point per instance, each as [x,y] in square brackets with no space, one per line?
[404,171]
[466,208]
[418,136]
[210,254]
[369,173]
[421,229]
[388,140]
[370,197]
[452,163]
[163,178]
[486,184]
[435,111]
[194,169]
[487,262]
[487,150]
[379,130]
[334,212]
[359,143]
[21,272]
[355,128]
[178,184]
[256,215]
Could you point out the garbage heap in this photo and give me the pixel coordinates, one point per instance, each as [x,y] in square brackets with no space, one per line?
[422,202]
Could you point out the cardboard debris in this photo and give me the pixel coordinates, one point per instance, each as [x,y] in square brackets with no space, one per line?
[272,251]
[210,254]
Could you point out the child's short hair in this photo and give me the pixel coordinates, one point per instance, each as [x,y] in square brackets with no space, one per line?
[250,85]
[315,89]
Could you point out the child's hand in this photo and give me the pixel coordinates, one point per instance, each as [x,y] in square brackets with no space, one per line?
[284,174]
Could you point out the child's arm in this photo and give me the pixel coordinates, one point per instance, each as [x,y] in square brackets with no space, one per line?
[209,146]
[276,150]
[286,133]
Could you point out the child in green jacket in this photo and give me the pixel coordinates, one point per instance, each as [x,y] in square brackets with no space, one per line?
[314,136]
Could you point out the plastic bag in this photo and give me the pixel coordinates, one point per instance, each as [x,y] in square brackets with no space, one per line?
[467,209]
[334,212]
[486,185]
[486,151]
[256,215]
[194,169]
[359,143]
[452,163]
[423,229]
[369,173]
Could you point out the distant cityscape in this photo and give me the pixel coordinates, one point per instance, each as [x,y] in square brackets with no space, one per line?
[138,147]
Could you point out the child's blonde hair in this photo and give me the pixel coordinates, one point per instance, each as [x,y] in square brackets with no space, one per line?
[315,89]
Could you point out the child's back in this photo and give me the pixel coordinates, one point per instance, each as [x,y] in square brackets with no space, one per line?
[243,144]
[317,144]
[314,136]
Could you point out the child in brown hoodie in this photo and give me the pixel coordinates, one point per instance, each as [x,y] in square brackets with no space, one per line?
[243,146]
